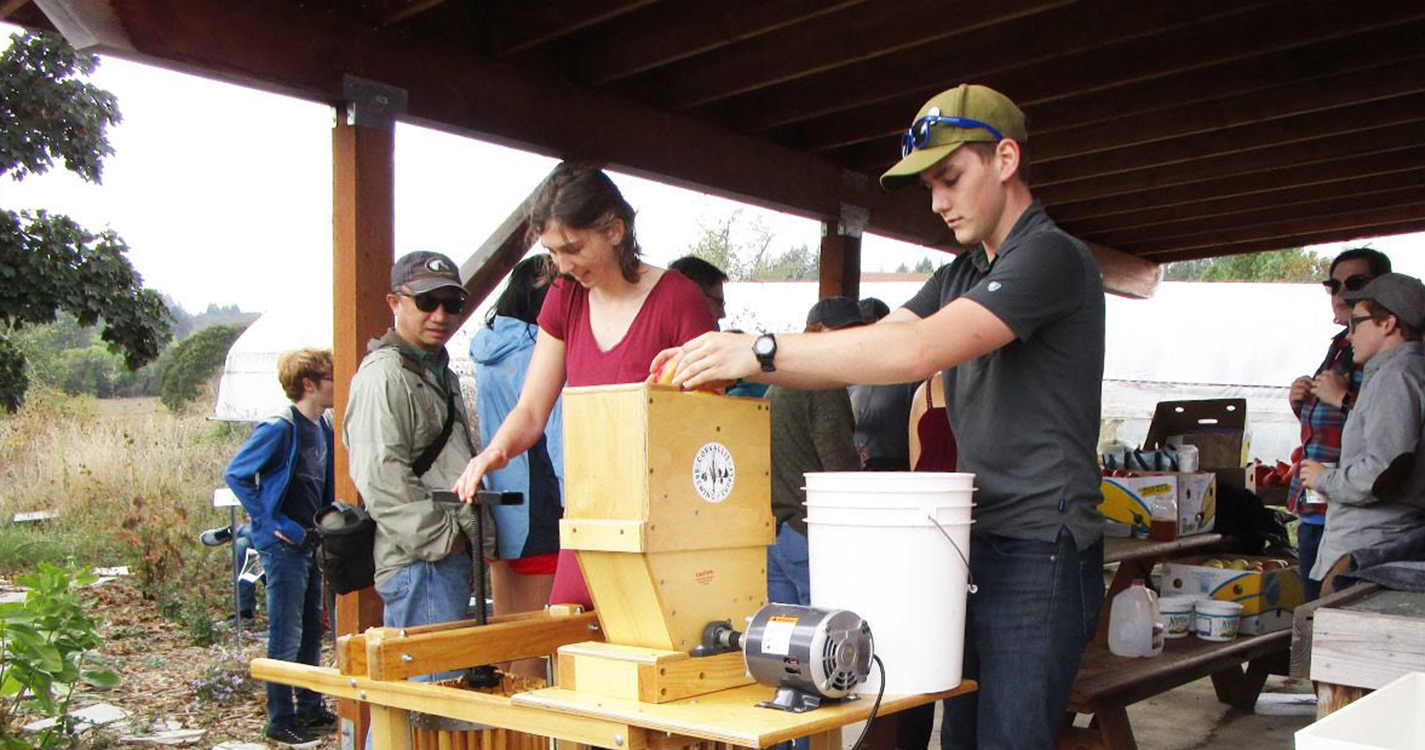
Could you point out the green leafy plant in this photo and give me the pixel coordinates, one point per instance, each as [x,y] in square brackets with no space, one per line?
[43,645]
[188,365]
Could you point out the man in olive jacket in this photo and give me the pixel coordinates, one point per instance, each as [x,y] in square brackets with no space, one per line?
[401,398]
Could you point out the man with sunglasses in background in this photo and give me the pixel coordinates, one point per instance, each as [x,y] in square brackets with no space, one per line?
[1322,401]
[1017,324]
[406,433]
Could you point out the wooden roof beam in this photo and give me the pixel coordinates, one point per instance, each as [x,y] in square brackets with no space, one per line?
[824,43]
[1166,218]
[1148,206]
[1113,107]
[668,32]
[390,12]
[1184,178]
[520,25]
[1155,43]
[298,50]
[1343,122]
[1286,230]
[1188,230]
[1346,234]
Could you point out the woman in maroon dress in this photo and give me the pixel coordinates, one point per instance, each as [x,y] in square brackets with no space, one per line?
[602,323]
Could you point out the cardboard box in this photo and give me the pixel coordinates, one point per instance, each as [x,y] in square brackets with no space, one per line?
[1218,427]
[1188,499]
[1267,597]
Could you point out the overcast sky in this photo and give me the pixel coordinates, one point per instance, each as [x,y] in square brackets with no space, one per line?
[223,193]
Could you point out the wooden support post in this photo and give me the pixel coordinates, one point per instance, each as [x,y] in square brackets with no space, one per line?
[363,234]
[841,253]
[390,728]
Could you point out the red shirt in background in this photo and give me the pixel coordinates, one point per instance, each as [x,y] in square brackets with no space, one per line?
[674,313]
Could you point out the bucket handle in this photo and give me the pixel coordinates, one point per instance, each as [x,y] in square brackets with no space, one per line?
[970,577]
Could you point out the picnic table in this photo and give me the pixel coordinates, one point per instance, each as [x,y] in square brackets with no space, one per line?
[1106,684]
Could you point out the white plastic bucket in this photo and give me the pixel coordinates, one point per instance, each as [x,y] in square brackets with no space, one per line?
[890,481]
[884,558]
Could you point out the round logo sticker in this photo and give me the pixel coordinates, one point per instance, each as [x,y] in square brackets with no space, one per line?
[713,472]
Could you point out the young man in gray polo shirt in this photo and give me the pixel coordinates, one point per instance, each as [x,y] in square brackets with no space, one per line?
[1377,492]
[1017,324]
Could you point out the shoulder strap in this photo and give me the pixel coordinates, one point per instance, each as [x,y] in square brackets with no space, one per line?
[427,458]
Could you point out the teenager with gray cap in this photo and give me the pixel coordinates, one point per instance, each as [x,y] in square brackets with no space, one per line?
[402,397]
[1017,324]
[1377,491]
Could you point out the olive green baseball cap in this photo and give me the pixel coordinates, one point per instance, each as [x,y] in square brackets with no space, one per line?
[928,141]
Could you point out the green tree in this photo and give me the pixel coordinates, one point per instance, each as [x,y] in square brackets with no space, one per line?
[1295,265]
[188,365]
[48,262]
[746,253]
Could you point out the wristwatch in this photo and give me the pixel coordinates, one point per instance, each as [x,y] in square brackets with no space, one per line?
[765,348]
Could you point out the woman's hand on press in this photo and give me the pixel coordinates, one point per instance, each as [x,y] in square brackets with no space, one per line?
[490,459]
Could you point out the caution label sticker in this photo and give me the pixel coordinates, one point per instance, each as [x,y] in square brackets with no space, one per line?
[777,636]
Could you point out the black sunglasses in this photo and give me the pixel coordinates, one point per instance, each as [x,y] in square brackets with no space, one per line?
[1353,283]
[427,302]
[918,135]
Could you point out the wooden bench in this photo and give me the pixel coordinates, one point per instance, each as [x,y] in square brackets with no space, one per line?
[1106,684]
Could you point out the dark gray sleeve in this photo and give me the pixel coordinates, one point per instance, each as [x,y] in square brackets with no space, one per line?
[926,302]
[833,428]
[1039,282]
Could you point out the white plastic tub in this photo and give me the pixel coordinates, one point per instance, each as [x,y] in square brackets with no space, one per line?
[1392,718]
[891,481]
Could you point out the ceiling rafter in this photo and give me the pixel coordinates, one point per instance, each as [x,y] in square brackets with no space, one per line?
[825,43]
[521,25]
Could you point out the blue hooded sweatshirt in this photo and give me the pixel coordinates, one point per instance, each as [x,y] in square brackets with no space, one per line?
[502,356]
[262,469]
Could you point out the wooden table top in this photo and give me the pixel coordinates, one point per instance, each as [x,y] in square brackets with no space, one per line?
[1118,550]
[730,716]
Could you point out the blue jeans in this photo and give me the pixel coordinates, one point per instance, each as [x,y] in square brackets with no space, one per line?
[1308,541]
[425,593]
[294,625]
[788,572]
[1026,628]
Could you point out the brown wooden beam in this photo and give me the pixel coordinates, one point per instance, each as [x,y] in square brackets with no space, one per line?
[1284,230]
[520,25]
[1168,221]
[10,6]
[299,51]
[1053,64]
[1147,206]
[1344,93]
[499,254]
[389,12]
[668,32]
[363,223]
[1273,216]
[1327,149]
[824,43]
[1345,234]
[1349,121]
[839,271]
[1124,274]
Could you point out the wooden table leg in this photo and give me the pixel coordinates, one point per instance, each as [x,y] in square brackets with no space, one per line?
[1114,728]
[1331,698]
[390,728]
[828,740]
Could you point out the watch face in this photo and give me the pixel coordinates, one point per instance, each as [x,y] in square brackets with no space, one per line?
[763,345]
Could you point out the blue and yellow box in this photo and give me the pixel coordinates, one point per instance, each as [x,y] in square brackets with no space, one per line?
[1189,500]
[1267,596]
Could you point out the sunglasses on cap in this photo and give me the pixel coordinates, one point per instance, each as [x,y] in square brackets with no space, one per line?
[918,135]
[427,302]
[1353,283]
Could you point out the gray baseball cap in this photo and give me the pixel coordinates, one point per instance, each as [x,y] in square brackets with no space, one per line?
[1403,295]
[422,271]
[836,312]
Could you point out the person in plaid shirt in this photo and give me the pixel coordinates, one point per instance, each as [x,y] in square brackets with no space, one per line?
[1323,401]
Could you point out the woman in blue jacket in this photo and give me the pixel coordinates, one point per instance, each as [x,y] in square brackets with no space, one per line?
[527,536]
